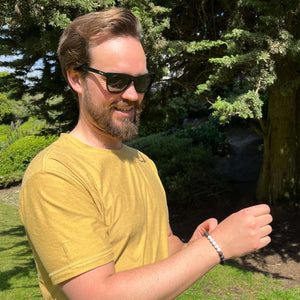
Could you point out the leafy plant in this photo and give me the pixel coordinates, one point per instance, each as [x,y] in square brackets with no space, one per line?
[163,115]
[207,135]
[15,158]
[18,130]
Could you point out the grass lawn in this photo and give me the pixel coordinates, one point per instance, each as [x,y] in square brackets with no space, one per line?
[18,278]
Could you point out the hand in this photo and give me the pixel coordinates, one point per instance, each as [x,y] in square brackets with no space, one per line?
[208,225]
[245,231]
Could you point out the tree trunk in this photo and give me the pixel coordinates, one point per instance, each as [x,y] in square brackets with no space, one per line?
[279,178]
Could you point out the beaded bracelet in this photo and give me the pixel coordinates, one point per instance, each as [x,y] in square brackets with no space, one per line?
[212,241]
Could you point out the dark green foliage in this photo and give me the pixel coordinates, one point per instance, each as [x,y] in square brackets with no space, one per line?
[207,135]
[161,145]
[177,106]
[15,158]
[6,109]
[187,171]
[261,38]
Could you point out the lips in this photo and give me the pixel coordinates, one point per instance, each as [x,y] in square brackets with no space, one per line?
[123,109]
[127,108]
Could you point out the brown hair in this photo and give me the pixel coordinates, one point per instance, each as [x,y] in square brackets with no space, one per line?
[93,28]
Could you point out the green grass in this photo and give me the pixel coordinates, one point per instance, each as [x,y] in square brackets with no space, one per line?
[18,277]
[230,282]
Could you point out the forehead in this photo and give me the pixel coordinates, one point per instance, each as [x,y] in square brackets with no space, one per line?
[119,54]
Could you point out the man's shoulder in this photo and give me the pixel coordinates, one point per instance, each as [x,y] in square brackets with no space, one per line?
[55,152]
[140,156]
[135,152]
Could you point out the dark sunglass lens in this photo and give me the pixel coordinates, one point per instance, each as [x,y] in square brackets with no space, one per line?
[142,83]
[117,83]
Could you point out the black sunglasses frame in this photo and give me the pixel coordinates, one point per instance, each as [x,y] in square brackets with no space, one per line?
[129,78]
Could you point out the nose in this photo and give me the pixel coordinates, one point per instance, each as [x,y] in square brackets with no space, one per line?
[130,93]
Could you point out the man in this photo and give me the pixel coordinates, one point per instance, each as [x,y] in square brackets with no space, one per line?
[94,210]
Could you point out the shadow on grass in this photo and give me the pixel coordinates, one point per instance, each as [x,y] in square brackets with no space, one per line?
[22,264]
[243,264]
[14,231]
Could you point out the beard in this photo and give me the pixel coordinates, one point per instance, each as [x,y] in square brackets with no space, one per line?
[101,117]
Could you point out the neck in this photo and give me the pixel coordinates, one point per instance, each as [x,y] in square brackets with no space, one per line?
[94,137]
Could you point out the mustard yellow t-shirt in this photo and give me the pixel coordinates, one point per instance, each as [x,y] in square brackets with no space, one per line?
[83,207]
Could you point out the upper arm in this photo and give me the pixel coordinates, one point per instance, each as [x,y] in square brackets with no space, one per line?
[90,284]
[67,231]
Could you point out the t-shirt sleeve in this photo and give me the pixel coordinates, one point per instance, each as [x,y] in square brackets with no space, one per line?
[64,225]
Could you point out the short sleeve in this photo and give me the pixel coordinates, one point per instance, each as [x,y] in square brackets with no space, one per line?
[64,225]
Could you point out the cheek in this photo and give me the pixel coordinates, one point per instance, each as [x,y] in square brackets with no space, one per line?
[99,93]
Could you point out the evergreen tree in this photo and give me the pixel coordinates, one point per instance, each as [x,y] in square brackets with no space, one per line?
[260,72]
[30,31]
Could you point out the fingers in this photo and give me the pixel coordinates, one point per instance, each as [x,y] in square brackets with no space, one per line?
[264,231]
[258,210]
[264,242]
[244,231]
[263,220]
[260,224]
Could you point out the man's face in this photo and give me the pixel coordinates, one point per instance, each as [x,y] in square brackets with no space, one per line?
[117,115]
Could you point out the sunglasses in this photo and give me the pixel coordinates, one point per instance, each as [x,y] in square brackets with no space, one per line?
[118,82]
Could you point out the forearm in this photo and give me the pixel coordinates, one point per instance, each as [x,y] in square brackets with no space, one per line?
[166,279]
[242,232]
[162,280]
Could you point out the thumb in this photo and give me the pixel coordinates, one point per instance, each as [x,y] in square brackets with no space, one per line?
[208,225]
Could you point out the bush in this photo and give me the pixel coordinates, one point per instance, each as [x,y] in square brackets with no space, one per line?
[161,115]
[15,158]
[31,127]
[208,135]
[161,145]
[4,130]
[186,171]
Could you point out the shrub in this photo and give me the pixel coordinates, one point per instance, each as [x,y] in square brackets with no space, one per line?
[168,107]
[187,171]
[6,108]
[4,130]
[15,158]
[18,130]
[208,135]
[161,145]
[33,126]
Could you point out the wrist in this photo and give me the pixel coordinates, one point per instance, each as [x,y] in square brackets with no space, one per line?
[216,247]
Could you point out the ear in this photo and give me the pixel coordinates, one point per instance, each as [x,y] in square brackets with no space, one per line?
[75,80]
